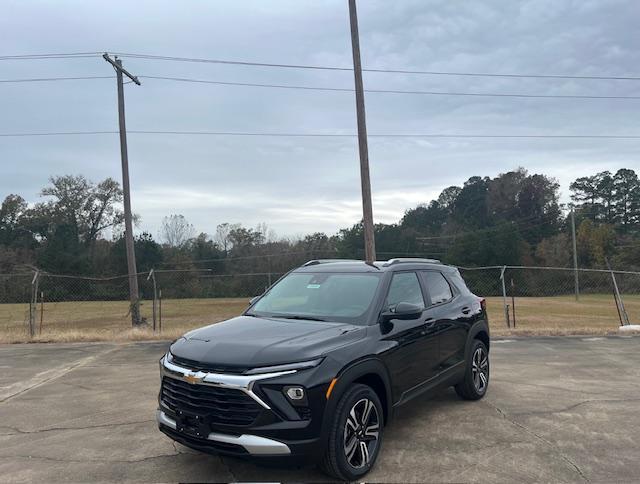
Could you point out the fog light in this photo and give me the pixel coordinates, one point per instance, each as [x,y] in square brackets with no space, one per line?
[295,394]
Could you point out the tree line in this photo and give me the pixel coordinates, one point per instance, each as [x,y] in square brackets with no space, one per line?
[515,218]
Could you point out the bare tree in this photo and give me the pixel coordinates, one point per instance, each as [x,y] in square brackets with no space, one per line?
[222,235]
[176,230]
[268,233]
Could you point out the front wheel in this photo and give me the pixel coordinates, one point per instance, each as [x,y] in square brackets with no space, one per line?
[476,375]
[356,434]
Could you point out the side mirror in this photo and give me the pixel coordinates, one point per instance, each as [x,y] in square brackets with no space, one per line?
[403,310]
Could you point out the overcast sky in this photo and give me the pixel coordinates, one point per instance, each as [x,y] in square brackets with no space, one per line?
[301,185]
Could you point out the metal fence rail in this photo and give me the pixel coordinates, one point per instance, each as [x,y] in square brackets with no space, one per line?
[521,297]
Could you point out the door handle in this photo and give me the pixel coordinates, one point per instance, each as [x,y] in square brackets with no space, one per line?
[427,323]
[466,310]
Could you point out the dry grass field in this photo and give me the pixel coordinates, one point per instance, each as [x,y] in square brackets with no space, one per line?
[108,321]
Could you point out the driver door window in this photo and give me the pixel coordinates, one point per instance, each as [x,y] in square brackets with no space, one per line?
[404,288]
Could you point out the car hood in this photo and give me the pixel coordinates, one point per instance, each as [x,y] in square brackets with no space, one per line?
[248,341]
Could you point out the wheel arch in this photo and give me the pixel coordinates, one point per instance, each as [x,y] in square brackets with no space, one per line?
[371,372]
[480,331]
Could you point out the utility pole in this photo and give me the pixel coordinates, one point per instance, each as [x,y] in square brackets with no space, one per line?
[134,296]
[365,181]
[575,254]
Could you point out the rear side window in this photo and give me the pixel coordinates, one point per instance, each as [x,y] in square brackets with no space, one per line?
[458,282]
[405,288]
[437,287]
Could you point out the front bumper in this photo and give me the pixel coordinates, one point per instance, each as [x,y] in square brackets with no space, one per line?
[279,431]
[253,444]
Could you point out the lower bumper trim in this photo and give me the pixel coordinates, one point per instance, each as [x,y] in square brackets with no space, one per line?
[253,444]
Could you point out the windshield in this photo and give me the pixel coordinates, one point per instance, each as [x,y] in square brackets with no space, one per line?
[323,296]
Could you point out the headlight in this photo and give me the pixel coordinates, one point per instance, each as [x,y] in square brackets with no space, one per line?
[302,365]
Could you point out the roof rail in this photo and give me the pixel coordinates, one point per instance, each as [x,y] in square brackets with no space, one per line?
[408,260]
[315,262]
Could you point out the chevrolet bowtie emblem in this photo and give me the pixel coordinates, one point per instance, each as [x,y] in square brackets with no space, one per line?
[191,378]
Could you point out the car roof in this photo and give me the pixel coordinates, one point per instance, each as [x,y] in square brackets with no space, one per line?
[353,265]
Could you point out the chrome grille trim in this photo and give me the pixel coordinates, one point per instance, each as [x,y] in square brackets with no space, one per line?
[243,383]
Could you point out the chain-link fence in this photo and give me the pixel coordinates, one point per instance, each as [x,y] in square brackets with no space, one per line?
[553,299]
[42,303]
[526,298]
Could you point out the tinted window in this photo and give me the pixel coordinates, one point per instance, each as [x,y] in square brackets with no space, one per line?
[458,281]
[405,288]
[437,287]
[331,296]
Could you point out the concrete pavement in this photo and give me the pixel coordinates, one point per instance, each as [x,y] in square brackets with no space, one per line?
[558,409]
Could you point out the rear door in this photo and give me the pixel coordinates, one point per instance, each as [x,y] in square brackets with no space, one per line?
[445,307]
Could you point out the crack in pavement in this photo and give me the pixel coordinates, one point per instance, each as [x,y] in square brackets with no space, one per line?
[84,460]
[226,465]
[47,376]
[539,437]
[17,431]
[575,405]
[81,387]
[547,387]
[186,450]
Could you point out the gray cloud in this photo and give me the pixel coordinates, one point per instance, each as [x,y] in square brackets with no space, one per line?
[300,185]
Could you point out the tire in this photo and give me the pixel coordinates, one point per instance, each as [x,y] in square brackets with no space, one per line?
[345,456]
[476,374]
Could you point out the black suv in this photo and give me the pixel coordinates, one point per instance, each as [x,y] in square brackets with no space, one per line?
[315,367]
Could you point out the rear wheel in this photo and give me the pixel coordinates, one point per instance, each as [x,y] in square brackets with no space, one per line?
[356,434]
[476,376]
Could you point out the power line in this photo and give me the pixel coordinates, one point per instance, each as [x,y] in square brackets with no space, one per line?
[510,223]
[332,89]
[53,79]
[70,55]
[462,239]
[256,256]
[57,133]
[330,135]
[229,62]
[314,67]
[627,246]
[389,91]
[390,71]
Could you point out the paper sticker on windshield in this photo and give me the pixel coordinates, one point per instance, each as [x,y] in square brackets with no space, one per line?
[313,286]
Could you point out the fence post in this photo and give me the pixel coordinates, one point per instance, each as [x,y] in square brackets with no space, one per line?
[622,312]
[41,310]
[575,255]
[513,302]
[152,275]
[504,297]
[33,304]
[160,311]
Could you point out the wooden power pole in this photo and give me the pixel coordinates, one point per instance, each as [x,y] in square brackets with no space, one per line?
[365,181]
[134,295]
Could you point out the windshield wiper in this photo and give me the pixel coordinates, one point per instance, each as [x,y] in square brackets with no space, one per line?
[295,316]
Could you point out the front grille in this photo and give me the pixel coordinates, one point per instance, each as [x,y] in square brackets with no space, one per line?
[216,405]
